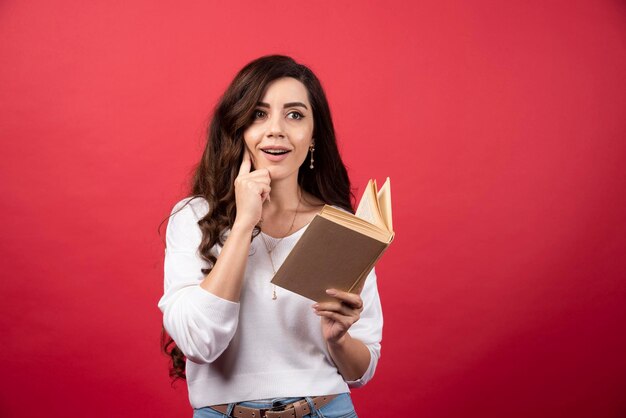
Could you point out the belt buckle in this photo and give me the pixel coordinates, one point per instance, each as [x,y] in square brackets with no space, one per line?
[278,408]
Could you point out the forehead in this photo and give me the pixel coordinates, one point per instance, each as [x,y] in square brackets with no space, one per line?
[286,89]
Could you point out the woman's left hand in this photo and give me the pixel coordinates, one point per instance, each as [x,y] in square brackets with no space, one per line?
[338,315]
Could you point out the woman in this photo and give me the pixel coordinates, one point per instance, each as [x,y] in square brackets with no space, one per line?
[270,164]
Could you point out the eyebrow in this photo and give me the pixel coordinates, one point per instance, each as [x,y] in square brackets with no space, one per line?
[290,104]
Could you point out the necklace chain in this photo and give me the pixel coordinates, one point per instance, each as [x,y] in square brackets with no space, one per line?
[273,247]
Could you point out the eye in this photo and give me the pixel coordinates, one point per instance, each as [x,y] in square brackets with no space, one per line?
[295,115]
[259,114]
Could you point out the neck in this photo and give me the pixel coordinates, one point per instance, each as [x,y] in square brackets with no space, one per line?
[285,195]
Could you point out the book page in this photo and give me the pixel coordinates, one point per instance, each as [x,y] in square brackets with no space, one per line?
[355,223]
[368,208]
[365,210]
[384,202]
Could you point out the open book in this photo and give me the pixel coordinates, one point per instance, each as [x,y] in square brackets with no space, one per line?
[339,249]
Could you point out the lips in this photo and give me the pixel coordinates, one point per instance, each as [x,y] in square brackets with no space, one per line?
[275,154]
[275,150]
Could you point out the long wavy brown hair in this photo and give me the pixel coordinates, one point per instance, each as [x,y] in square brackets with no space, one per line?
[215,174]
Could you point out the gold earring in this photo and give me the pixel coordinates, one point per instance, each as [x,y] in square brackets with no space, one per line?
[311,148]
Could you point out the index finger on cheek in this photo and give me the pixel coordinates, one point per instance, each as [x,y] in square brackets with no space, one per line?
[245,163]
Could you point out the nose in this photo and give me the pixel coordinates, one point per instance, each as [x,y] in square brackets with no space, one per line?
[275,128]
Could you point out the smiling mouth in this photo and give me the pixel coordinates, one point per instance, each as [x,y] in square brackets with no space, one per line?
[276,151]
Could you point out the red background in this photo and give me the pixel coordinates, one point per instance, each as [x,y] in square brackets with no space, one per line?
[501,124]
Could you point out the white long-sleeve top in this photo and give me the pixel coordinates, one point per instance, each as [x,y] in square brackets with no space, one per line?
[257,348]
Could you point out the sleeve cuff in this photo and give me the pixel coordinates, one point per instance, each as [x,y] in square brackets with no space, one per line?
[369,373]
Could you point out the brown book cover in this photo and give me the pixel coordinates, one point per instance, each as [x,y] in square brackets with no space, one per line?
[335,251]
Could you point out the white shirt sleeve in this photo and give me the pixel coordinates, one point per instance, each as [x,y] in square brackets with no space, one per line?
[201,324]
[369,328]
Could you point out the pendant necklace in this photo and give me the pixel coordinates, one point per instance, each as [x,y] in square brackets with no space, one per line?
[269,248]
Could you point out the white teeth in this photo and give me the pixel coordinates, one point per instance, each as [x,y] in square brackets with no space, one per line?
[275,151]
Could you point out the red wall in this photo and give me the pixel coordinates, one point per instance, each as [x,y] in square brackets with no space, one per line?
[501,124]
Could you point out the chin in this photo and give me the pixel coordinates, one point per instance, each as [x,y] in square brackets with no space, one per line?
[280,173]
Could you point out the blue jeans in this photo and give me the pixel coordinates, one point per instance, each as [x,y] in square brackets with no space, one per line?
[340,407]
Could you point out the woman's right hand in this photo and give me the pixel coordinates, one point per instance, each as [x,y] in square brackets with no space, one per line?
[251,190]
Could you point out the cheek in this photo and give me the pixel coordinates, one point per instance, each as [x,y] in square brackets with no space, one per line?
[252,136]
[303,148]
[302,134]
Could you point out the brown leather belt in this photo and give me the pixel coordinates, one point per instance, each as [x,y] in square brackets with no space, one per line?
[293,410]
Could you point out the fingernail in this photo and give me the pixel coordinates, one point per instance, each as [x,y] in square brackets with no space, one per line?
[315,305]
[331,292]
